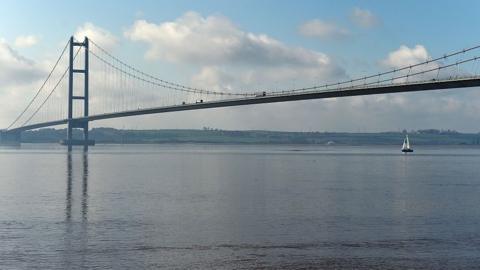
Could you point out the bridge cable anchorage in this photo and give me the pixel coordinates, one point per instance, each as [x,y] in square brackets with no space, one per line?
[40,89]
[50,94]
[163,83]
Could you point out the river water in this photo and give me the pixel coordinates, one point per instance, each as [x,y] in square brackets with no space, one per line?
[239,207]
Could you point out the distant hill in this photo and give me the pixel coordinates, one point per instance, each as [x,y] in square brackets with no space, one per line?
[116,136]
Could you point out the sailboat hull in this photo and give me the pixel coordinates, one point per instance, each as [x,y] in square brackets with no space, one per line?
[407,150]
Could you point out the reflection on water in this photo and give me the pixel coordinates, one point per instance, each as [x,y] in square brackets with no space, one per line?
[85,186]
[231,207]
[84,201]
[76,233]
[68,203]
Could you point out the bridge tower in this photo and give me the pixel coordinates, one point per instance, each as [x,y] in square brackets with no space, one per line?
[82,123]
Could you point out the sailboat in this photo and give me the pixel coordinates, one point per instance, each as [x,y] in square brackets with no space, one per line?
[406,146]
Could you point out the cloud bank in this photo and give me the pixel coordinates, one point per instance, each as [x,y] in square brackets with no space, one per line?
[223,51]
[216,40]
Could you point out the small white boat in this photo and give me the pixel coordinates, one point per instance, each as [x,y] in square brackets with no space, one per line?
[406,146]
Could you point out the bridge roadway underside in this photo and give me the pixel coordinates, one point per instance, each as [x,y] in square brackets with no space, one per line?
[411,87]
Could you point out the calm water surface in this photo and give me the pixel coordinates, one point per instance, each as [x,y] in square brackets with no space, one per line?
[239,207]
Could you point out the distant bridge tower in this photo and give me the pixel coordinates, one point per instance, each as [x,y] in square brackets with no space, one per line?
[82,123]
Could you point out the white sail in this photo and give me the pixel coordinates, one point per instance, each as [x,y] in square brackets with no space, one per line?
[406,145]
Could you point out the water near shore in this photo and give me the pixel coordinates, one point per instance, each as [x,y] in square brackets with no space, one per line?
[239,207]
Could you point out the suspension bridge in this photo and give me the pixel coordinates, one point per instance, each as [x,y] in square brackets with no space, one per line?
[88,83]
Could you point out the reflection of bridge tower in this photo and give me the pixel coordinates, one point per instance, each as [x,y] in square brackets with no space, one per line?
[70,186]
[80,123]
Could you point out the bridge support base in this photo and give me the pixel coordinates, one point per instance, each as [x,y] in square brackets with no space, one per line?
[8,138]
[70,141]
[74,142]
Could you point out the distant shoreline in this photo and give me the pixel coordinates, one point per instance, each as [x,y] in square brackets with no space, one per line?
[256,137]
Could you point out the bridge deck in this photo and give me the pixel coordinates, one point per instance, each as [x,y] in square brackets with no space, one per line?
[344,92]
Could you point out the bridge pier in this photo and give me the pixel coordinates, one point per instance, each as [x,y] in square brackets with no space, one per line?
[10,138]
[70,141]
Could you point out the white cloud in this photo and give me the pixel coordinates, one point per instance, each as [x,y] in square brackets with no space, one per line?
[323,30]
[405,56]
[229,58]
[99,35]
[214,40]
[364,18]
[26,41]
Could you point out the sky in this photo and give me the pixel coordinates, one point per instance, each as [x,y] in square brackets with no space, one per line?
[254,45]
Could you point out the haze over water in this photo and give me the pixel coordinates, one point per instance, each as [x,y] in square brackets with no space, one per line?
[239,207]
